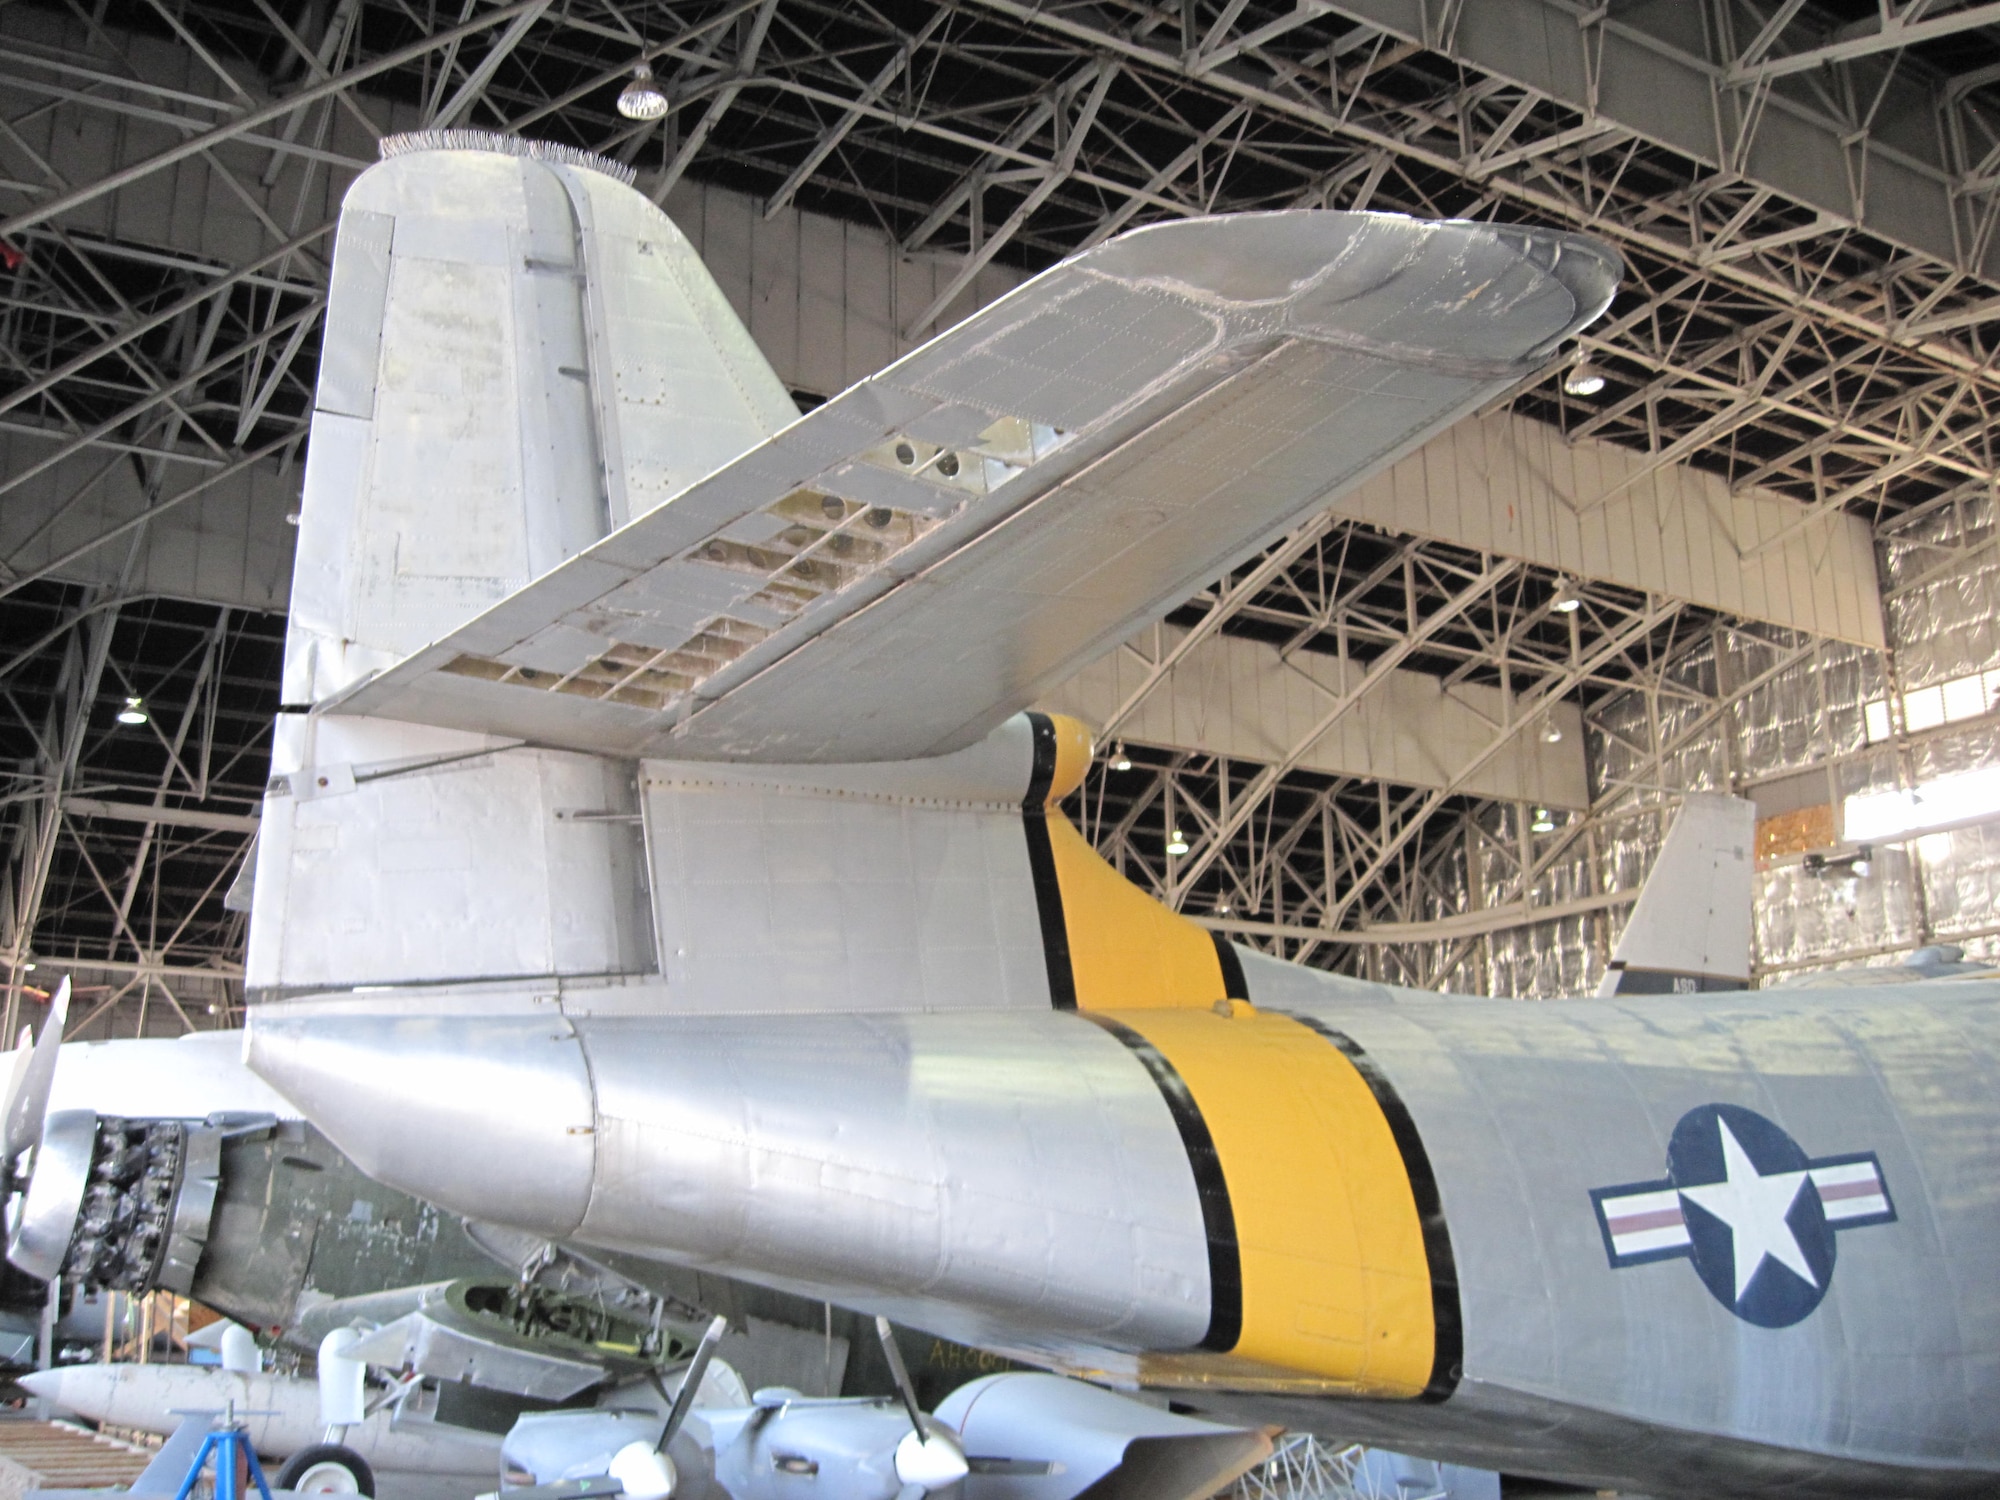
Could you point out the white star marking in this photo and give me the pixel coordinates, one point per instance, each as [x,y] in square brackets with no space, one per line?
[1754,1208]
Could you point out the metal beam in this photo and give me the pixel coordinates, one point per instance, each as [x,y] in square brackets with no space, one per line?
[1491,575]
[1491,919]
[90,192]
[1886,32]
[166,817]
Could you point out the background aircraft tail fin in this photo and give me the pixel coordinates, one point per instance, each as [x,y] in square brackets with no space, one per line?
[1690,929]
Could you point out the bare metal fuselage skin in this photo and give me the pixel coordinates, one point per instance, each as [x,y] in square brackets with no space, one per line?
[1018,1180]
[1454,1225]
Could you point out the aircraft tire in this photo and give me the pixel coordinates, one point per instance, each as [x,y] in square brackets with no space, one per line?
[326,1469]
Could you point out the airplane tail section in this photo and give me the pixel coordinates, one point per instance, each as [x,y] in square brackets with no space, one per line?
[531,677]
[1690,929]
[521,355]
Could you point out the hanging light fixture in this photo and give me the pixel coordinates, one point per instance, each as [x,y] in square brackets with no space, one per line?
[1551,732]
[1543,822]
[1583,379]
[1120,761]
[134,712]
[641,99]
[1566,601]
[1856,866]
[1177,844]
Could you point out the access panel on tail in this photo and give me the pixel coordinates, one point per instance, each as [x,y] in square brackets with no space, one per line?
[1690,929]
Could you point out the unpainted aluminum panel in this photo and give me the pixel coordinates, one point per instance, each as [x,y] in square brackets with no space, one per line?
[778,899]
[350,350]
[683,386]
[472,868]
[911,1153]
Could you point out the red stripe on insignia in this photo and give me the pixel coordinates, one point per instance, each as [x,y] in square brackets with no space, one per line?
[1634,1223]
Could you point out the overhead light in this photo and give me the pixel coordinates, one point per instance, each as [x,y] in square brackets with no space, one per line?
[1543,822]
[1566,601]
[1177,844]
[641,99]
[30,966]
[1222,908]
[134,712]
[1551,732]
[1583,379]
[1120,761]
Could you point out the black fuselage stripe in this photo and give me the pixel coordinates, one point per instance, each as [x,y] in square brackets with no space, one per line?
[1218,1219]
[1448,1356]
[1233,984]
[1042,865]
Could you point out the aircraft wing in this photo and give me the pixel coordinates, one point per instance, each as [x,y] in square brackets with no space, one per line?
[901,569]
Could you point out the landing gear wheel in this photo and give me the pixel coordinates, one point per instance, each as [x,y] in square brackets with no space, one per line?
[326,1469]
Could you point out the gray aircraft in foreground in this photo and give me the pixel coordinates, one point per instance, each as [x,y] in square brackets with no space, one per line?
[663,854]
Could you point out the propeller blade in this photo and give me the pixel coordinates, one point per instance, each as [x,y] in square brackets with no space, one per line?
[17,1063]
[901,1375]
[28,1095]
[691,1382]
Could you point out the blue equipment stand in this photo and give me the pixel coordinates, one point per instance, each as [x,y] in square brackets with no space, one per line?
[231,1445]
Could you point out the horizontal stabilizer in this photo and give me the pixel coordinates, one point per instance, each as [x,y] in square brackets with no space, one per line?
[897,572]
[1690,928]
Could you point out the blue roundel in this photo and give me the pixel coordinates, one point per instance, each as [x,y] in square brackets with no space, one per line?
[1757,1231]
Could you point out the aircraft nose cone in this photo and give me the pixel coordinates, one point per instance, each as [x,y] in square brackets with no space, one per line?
[490,1116]
[85,1390]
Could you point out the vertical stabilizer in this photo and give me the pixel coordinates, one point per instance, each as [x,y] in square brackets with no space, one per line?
[1690,929]
[521,355]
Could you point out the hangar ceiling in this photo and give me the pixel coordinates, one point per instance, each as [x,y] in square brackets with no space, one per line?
[1805,196]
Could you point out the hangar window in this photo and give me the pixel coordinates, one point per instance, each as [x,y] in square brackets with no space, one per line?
[1950,702]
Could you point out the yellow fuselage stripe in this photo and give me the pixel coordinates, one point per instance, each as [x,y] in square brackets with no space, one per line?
[1335,1280]
[1126,950]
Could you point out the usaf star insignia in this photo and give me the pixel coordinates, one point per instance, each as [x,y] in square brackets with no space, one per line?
[1746,1205]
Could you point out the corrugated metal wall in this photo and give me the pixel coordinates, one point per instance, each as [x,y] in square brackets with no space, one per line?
[1820,721]
[1245,700]
[829,302]
[1516,487]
